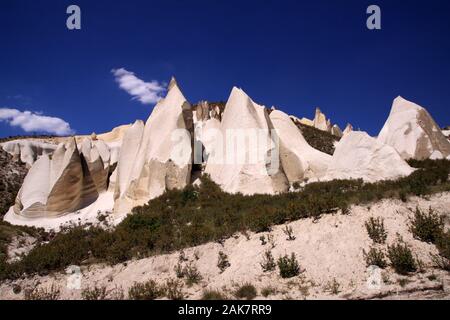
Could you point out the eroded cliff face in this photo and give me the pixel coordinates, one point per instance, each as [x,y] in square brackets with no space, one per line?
[56,186]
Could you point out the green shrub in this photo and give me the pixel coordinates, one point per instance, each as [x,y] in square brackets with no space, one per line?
[443,244]
[376,231]
[288,266]
[268,291]
[289,233]
[149,290]
[440,262]
[268,264]
[427,227]
[222,262]
[401,258]
[333,287]
[96,293]
[52,293]
[213,295]
[173,289]
[246,291]
[192,275]
[375,257]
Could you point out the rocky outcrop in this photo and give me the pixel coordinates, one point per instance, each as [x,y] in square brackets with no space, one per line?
[336,131]
[98,157]
[299,160]
[253,166]
[320,121]
[359,156]
[348,129]
[158,156]
[12,174]
[411,130]
[202,111]
[28,151]
[56,186]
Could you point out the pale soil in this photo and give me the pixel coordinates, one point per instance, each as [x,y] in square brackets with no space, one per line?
[328,249]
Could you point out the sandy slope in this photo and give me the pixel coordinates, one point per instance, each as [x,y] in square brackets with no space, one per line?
[328,249]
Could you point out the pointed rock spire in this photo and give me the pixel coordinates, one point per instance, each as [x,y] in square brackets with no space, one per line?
[172,83]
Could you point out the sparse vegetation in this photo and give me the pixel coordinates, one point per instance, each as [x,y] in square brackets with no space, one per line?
[246,291]
[375,257]
[376,231]
[149,290]
[401,257]
[333,287]
[13,173]
[268,291]
[427,227]
[96,293]
[289,233]
[173,290]
[192,275]
[213,295]
[196,215]
[268,263]
[51,293]
[288,266]
[222,262]
[318,139]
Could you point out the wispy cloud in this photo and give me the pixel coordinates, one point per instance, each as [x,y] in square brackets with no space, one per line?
[35,122]
[146,92]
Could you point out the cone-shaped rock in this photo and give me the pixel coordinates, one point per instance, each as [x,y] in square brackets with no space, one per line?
[160,158]
[245,158]
[411,130]
[300,161]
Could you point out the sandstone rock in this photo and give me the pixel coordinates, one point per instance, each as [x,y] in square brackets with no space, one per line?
[160,156]
[359,156]
[336,131]
[300,161]
[202,111]
[57,186]
[252,167]
[411,130]
[348,129]
[320,121]
[97,155]
[307,122]
[28,151]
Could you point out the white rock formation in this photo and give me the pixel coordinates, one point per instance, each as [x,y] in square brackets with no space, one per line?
[411,130]
[359,156]
[253,166]
[202,111]
[348,129]
[157,157]
[307,122]
[58,186]
[336,131]
[98,157]
[320,121]
[28,151]
[300,161]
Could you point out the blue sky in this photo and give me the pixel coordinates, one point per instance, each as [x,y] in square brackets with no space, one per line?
[296,55]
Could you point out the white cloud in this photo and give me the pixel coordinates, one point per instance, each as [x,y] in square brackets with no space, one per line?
[145,92]
[35,122]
